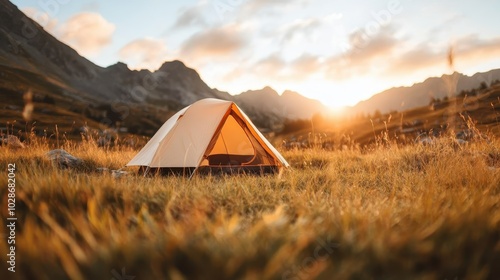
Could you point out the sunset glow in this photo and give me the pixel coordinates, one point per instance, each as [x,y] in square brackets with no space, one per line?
[339,53]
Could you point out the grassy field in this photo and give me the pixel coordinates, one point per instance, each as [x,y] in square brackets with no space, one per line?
[397,212]
[479,112]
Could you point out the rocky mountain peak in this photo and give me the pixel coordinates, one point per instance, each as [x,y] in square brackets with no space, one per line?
[290,94]
[175,65]
[179,69]
[119,67]
[269,90]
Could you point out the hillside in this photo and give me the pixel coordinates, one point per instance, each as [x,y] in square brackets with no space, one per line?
[471,114]
[420,94]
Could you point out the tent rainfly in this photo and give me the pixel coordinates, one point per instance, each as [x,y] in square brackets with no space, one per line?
[209,136]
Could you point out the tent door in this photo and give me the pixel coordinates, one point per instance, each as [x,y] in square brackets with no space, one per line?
[234,145]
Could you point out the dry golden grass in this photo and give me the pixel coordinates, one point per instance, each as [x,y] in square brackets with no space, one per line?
[414,212]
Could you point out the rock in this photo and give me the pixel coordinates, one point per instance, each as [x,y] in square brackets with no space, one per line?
[466,135]
[424,140]
[118,173]
[13,142]
[103,170]
[63,159]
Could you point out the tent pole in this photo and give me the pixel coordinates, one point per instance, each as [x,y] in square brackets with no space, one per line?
[146,171]
[192,174]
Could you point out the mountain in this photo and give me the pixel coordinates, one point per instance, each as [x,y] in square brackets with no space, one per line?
[26,46]
[289,105]
[32,59]
[420,94]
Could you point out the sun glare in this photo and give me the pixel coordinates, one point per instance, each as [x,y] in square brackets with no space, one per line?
[337,111]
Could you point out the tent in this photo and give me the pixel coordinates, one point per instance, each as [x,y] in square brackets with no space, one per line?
[209,136]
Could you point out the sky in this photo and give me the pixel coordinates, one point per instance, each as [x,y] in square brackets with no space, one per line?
[338,52]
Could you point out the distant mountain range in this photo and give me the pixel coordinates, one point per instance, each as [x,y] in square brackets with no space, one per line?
[420,94]
[69,88]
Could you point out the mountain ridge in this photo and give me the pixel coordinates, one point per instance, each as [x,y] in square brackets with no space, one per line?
[421,93]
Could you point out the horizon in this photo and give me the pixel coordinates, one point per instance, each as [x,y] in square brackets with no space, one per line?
[337,54]
[280,93]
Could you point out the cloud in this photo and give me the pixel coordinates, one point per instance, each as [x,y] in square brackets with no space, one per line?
[363,54]
[468,51]
[146,53]
[416,59]
[383,54]
[443,29]
[276,68]
[256,6]
[87,32]
[236,10]
[305,28]
[42,18]
[305,65]
[365,49]
[270,66]
[192,16]
[473,48]
[301,28]
[219,42]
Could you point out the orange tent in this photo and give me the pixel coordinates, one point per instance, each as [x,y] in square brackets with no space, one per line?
[209,136]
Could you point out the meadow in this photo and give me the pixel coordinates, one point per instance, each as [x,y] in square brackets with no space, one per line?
[390,212]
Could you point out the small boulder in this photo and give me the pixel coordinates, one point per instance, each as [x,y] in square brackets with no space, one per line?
[103,170]
[424,140]
[63,159]
[118,173]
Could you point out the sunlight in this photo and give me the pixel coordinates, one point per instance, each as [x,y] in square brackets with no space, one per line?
[347,93]
[337,111]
